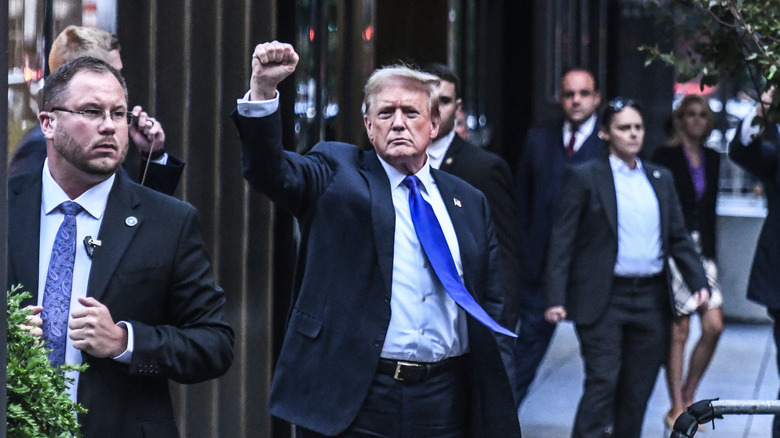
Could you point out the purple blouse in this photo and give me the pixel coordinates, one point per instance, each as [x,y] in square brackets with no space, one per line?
[697,174]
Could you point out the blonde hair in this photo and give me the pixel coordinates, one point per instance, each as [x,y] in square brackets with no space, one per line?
[78,41]
[676,137]
[425,82]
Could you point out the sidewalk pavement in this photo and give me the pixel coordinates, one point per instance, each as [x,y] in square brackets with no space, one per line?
[743,368]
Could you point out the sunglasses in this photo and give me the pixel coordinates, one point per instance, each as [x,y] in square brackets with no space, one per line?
[618,104]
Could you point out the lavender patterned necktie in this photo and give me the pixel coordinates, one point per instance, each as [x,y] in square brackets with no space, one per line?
[59,282]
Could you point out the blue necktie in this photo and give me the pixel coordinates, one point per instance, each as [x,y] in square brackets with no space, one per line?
[435,246]
[59,282]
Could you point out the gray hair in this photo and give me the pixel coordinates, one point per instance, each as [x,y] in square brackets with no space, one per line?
[425,82]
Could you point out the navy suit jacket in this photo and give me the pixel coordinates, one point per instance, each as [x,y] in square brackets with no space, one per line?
[761,159]
[30,153]
[584,242]
[491,175]
[539,181]
[342,287]
[155,275]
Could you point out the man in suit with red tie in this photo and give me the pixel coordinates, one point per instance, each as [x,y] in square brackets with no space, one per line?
[548,151]
[397,291]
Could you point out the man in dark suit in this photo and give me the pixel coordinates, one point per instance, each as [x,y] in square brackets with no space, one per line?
[547,152]
[129,287]
[158,169]
[617,222]
[373,331]
[757,149]
[487,172]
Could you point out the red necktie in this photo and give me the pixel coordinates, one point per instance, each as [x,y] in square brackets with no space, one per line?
[570,147]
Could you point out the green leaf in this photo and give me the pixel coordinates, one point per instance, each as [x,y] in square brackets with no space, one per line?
[38,404]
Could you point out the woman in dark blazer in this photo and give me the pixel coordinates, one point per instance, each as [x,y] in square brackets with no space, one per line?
[696,170]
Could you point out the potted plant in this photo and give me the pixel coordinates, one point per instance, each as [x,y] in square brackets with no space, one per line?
[38,404]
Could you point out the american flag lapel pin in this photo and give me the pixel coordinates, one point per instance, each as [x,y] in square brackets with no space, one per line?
[456,201]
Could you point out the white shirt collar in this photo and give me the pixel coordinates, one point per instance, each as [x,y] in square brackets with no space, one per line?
[438,149]
[619,165]
[93,200]
[396,177]
[584,130]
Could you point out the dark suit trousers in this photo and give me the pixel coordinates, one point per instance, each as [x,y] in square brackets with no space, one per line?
[623,352]
[437,407]
[532,340]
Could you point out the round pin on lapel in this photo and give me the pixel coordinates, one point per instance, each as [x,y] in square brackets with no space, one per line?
[131,221]
[656,174]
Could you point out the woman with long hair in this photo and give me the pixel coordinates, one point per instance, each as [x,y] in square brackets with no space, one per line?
[696,170]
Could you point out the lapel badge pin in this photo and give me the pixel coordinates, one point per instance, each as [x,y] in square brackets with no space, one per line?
[656,174]
[456,201]
[448,161]
[131,221]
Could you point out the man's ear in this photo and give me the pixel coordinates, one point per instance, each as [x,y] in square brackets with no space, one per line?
[367,124]
[435,124]
[47,124]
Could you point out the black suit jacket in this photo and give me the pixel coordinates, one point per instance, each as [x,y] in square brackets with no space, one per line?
[491,175]
[539,181]
[342,286]
[761,159]
[30,153]
[584,243]
[699,215]
[155,275]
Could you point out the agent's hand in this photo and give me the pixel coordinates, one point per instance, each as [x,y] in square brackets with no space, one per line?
[271,63]
[555,314]
[34,321]
[147,133]
[766,99]
[93,330]
[702,297]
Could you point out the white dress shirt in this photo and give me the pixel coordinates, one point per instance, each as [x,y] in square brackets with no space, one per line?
[639,221]
[438,149]
[88,222]
[749,131]
[583,132]
[425,323]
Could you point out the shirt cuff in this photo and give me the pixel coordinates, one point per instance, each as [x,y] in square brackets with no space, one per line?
[257,108]
[161,160]
[127,355]
[749,131]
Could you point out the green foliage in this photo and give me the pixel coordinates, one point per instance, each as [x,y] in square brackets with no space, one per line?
[717,39]
[38,404]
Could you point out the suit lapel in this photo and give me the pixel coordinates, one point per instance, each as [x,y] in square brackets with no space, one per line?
[457,211]
[121,221]
[654,176]
[452,154]
[382,214]
[24,224]
[605,187]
